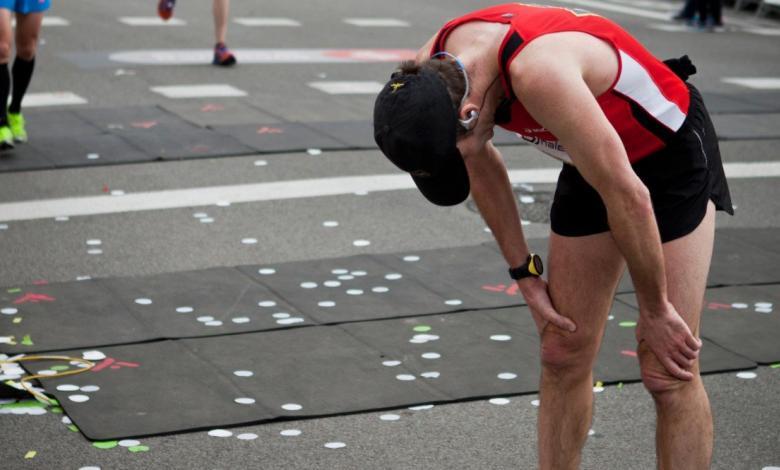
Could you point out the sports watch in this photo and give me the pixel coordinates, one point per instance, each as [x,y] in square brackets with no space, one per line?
[532,267]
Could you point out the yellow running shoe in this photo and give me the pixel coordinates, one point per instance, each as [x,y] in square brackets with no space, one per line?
[16,123]
[6,138]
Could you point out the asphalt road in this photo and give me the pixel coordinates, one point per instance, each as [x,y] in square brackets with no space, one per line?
[469,435]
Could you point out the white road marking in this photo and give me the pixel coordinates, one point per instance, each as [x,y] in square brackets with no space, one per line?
[253,21]
[263,56]
[348,88]
[763,31]
[57,98]
[150,21]
[620,9]
[377,22]
[198,91]
[48,21]
[280,190]
[757,83]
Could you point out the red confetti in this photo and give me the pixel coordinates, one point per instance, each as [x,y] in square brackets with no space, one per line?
[33,298]
[143,124]
[628,352]
[270,130]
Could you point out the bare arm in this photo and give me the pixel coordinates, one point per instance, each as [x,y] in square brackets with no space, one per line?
[492,191]
[553,90]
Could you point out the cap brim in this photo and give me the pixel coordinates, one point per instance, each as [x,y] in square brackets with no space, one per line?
[450,186]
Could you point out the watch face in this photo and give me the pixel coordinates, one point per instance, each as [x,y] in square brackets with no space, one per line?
[535,265]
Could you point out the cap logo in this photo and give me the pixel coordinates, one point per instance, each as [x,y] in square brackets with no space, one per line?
[396,85]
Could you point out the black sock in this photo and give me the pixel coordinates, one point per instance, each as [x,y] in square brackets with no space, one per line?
[22,72]
[5,86]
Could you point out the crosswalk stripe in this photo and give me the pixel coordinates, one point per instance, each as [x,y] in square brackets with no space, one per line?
[377,22]
[756,83]
[210,90]
[348,87]
[279,190]
[57,98]
[251,21]
[150,21]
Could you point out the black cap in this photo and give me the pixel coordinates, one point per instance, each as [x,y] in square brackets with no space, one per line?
[415,127]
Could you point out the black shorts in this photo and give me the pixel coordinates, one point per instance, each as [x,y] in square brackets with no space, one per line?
[682,177]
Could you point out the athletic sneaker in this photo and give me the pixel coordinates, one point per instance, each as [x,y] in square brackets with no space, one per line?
[16,123]
[165,9]
[6,138]
[223,56]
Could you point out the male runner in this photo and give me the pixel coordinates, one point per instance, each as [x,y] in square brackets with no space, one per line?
[222,55]
[640,185]
[29,15]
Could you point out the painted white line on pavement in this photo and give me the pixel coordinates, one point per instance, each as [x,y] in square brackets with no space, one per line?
[150,21]
[278,190]
[348,88]
[57,98]
[763,31]
[263,56]
[620,9]
[377,22]
[757,83]
[254,21]
[198,91]
[48,21]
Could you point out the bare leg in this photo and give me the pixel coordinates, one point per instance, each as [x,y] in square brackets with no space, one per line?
[220,9]
[584,272]
[684,429]
[28,28]
[6,35]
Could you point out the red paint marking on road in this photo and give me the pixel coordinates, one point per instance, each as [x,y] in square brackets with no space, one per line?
[627,352]
[33,298]
[105,188]
[211,108]
[143,124]
[270,130]
[200,148]
[40,282]
[113,364]
[511,290]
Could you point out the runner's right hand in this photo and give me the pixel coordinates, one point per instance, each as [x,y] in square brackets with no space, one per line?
[535,292]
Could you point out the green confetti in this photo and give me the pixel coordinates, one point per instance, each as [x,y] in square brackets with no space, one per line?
[627,324]
[27,341]
[15,290]
[105,444]
[422,328]
[17,320]
[620,386]
[59,368]
[775,366]
[73,428]
[53,402]
[56,410]
[30,454]
[135,449]
[24,404]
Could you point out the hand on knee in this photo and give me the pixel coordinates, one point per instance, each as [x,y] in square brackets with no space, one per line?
[565,352]
[657,380]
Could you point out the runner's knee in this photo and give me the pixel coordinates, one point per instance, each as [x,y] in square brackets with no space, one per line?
[26,49]
[565,351]
[5,52]
[657,380]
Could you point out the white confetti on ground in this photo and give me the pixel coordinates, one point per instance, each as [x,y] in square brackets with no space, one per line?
[361,243]
[330,223]
[598,389]
[405,377]
[66,421]
[117,192]
[261,163]
[453,302]
[501,337]
[205,318]
[380,289]
[247,436]
[393,276]
[266,303]
[335,445]
[359,273]
[747,375]
[290,321]
[62,218]
[281,315]
[129,443]
[249,241]
[94,242]
[213,323]
[421,407]
[339,271]
[290,432]
[763,304]
[243,373]
[89,468]
[326,304]
[389,417]
[423,338]
[292,407]
[9,311]
[220,433]
[507,376]
[739,305]
[314,152]
[527,199]
[47,372]
[223,203]
[354,292]
[240,320]
[346,277]
[535,402]
[93,355]
[94,251]
[245,401]
[591,432]
[763,310]
[90,388]
[431,375]
[499,401]
[411,258]
[207,220]
[431,355]
[361,193]
[83,278]
[309,285]
[200,215]
[78,398]
[391,363]
[143,301]
[331,283]
[185,309]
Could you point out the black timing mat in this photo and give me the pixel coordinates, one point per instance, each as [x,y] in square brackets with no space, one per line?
[171,386]
[279,137]
[353,134]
